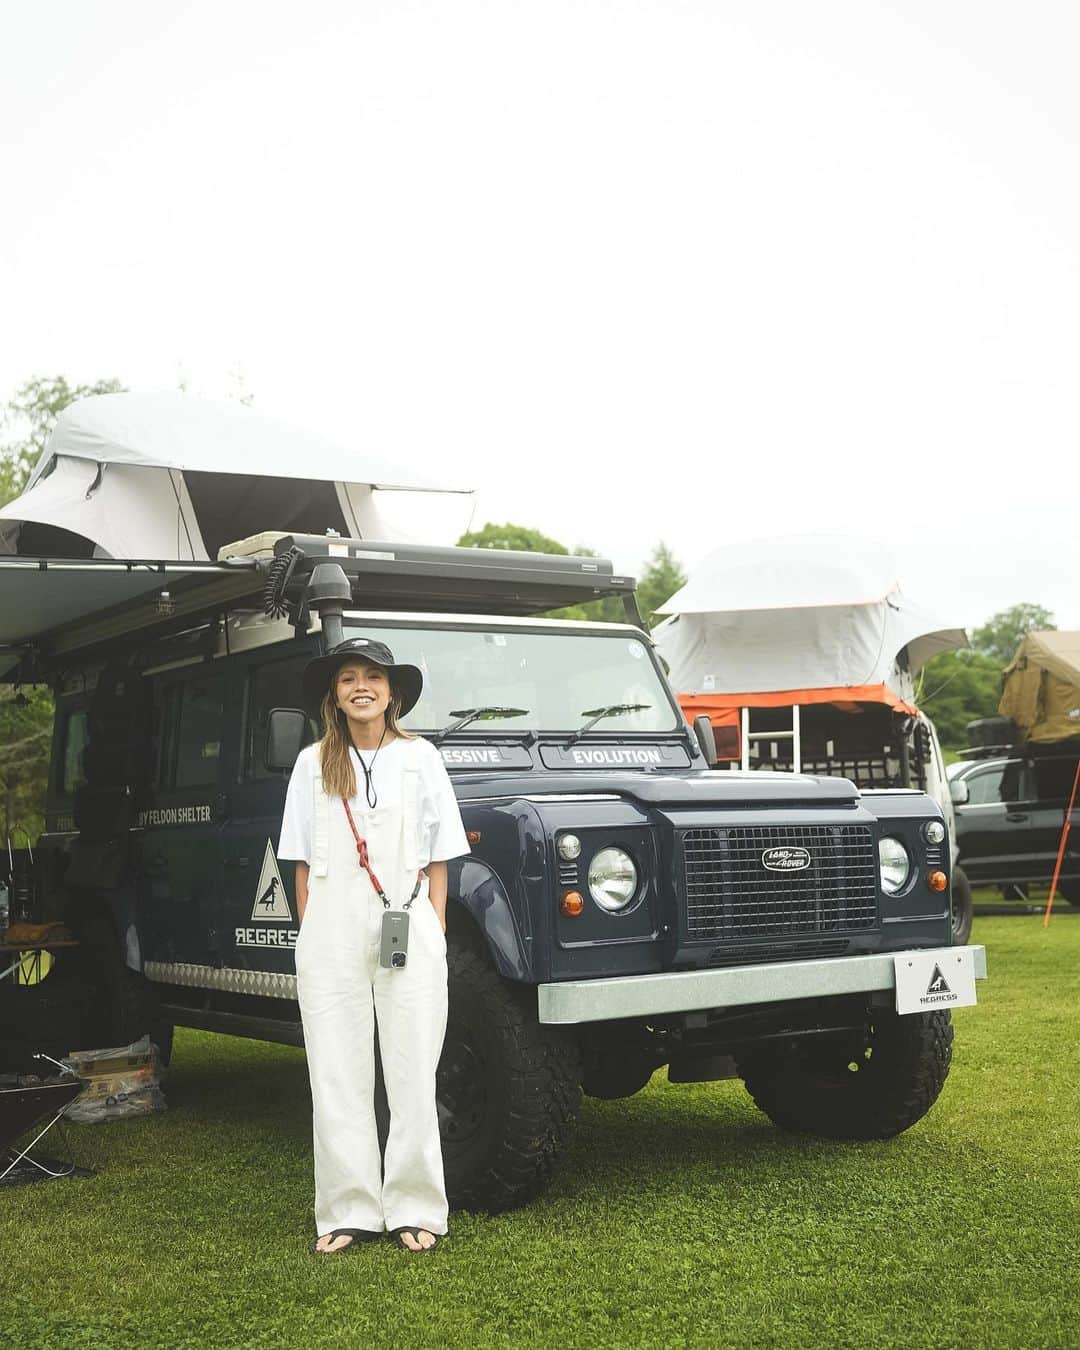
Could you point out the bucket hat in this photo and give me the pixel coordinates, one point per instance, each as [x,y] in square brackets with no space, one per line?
[406,681]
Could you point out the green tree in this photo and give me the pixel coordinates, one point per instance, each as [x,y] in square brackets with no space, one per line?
[26,715]
[30,415]
[518,537]
[957,688]
[1002,633]
[662,577]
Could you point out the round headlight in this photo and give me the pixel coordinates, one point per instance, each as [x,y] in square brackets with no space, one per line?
[613,878]
[934,831]
[893,864]
[569,847]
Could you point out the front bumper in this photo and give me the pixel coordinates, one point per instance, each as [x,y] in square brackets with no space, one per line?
[574,1001]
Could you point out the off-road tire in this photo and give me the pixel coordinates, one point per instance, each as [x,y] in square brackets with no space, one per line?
[508,1088]
[871,1088]
[961,908]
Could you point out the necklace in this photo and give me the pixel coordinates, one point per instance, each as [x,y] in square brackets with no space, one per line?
[370,794]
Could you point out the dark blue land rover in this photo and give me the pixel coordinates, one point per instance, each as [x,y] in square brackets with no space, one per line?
[624,906]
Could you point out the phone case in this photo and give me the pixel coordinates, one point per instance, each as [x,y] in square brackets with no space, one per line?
[395,938]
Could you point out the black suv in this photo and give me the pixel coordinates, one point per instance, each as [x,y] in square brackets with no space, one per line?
[624,906]
[1010,813]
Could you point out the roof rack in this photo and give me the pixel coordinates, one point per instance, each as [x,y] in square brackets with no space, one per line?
[52,608]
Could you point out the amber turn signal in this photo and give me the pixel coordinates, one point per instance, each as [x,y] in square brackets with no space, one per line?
[937,881]
[473,836]
[572,904]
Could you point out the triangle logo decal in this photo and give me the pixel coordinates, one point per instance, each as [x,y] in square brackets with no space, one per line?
[271,902]
[937,983]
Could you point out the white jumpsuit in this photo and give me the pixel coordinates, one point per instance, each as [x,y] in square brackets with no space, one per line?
[344,992]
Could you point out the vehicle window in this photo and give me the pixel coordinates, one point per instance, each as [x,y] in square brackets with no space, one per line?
[75,738]
[198,732]
[274,685]
[556,677]
[985,787]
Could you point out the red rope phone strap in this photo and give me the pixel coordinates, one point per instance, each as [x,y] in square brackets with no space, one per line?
[365,863]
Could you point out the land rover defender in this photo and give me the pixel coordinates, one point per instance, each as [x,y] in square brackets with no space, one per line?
[624,907]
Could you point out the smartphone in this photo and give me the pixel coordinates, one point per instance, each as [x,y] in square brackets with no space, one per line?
[394,949]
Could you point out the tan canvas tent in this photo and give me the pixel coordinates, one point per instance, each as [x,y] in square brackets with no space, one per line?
[1042,686]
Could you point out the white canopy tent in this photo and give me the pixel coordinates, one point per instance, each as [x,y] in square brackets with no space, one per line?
[169,476]
[799,613]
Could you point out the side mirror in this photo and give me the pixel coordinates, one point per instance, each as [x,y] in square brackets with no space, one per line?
[959,792]
[706,738]
[284,738]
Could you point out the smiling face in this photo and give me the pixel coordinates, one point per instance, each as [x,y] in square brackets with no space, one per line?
[363,692]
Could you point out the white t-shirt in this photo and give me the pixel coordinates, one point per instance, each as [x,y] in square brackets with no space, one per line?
[440,818]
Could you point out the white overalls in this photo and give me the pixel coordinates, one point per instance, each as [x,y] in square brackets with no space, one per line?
[343,990]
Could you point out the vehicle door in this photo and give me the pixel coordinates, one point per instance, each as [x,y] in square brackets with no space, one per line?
[179,864]
[258,920]
[992,826]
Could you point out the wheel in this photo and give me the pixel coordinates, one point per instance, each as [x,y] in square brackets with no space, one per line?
[961,907]
[870,1087]
[508,1089]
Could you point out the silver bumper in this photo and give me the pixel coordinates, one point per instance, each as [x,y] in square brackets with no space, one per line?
[573,1001]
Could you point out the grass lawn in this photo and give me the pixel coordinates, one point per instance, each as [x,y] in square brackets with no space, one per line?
[681,1216]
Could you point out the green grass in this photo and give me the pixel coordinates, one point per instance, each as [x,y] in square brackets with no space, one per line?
[681,1217]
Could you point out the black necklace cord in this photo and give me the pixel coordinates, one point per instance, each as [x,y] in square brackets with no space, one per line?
[371,796]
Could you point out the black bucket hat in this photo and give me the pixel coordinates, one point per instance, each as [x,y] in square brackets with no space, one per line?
[406,681]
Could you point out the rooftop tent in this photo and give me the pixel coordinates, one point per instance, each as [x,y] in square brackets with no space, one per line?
[808,615]
[168,476]
[1042,686]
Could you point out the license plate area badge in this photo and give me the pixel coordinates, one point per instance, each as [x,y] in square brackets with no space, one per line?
[941,978]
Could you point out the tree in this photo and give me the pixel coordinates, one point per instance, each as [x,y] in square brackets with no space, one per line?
[518,537]
[1002,633]
[32,413]
[662,577]
[960,687]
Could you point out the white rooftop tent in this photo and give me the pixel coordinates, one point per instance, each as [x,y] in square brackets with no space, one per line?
[170,476]
[798,614]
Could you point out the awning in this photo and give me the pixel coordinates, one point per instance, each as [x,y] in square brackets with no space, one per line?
[56,606]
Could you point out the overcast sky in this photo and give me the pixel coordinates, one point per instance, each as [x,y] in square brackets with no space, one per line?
[690,271]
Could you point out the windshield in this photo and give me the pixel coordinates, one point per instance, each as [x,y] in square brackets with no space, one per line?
[557,676]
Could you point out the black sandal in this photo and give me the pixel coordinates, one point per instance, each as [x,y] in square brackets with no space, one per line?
[415,1234]
[358,1236]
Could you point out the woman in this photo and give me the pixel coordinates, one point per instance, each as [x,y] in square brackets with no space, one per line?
[370,820]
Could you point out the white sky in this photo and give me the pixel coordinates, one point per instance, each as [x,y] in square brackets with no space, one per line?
[635,270]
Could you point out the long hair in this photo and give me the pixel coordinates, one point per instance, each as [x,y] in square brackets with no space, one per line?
[338,773]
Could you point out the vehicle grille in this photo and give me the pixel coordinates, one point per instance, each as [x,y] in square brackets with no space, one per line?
[731,894]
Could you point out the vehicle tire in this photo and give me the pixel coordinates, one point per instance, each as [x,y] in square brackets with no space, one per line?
[508,1089]
[621,1077]
[962,912]
[870,1089]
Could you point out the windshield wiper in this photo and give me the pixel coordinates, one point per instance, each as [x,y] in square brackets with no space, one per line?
[598,714]
[466,715]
